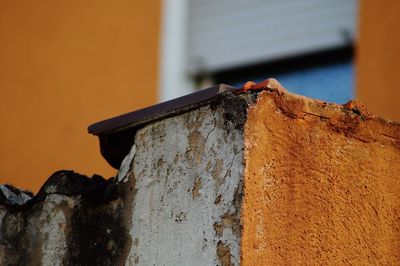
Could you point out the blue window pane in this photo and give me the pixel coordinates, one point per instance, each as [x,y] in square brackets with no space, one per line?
[332,82]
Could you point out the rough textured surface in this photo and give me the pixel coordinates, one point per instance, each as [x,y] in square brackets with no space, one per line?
[322,184]
[176,200]
[187,172]
[73,220]
[10,195]
[283,181]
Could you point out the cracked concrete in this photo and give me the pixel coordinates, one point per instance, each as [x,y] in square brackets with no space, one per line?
[197,186]
[73,220]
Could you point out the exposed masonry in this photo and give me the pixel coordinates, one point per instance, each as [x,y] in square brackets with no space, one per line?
[176,200]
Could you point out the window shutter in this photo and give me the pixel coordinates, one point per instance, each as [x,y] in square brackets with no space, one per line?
[225,34]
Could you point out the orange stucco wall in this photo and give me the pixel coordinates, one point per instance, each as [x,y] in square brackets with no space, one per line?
[321,185]
[63,66]
[378,57]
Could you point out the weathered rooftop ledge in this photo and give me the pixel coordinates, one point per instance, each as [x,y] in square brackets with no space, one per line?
[256,176]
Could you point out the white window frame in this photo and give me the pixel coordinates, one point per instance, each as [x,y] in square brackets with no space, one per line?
[173,79]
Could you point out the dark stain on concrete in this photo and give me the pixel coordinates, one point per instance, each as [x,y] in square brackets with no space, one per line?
[96,230]
[235,108]
[224,254]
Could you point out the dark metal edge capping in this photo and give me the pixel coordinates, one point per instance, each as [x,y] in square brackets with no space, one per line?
[116,135]
[158,111]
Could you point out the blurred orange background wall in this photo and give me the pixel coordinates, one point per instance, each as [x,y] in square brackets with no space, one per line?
[63,66]
[67,64]
[378,57]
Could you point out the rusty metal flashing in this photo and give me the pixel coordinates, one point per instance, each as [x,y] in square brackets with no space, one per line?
[116,135]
